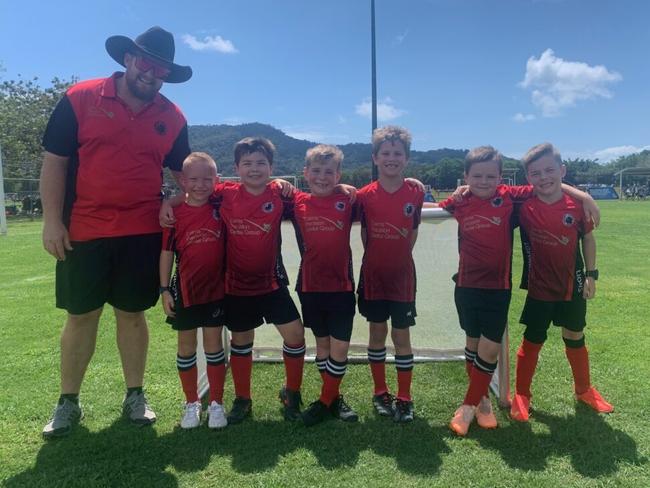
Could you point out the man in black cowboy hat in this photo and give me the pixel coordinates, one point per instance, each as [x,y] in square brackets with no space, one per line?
[105,146]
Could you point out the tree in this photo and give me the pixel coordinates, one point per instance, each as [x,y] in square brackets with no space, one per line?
[25,108]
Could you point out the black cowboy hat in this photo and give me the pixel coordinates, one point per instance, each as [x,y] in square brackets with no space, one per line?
[156,43]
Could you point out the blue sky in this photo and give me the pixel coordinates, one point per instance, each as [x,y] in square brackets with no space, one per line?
[457,73]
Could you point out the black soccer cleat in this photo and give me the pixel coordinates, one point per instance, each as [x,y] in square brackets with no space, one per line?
[241,409]
[403,411]
[383,404]
[291,401]
[316,413]
[342,411]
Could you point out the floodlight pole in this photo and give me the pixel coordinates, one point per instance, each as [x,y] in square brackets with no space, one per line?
[374,80]
[3,214]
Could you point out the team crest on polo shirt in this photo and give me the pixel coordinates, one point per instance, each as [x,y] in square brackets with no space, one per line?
[160,127]
[568,220]
[268,207]
[409,208]
[340,206]
[497,202]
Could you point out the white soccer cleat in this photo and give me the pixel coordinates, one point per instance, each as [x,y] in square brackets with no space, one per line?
[191,415]
[216,416]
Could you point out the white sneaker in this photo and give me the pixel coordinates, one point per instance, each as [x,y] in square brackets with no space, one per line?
[216,416]
[191,415]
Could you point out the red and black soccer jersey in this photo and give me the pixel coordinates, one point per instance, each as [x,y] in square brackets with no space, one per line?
[551,235]
[197,239]
[322,226]
[116,158]
[485,236]
[253,258]
[389,219]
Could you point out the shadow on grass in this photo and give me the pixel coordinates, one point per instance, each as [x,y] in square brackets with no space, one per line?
[128,456]
[595,448]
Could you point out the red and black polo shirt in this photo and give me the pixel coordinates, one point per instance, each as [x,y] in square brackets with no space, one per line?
[116,158]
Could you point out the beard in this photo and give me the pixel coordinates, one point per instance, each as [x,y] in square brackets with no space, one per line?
[140,90]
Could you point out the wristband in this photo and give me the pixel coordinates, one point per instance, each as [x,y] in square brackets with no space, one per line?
[593,273]
[163,289]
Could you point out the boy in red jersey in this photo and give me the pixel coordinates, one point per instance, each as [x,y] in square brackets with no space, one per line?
[552,229]
[322,220]
[195,296]
[256,281]
[390,215]
[486,219]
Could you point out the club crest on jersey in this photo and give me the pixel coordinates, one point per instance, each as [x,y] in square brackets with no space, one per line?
[497,202]
[160,127]
[409,208]
[268,207]
[340,206]
[568,220]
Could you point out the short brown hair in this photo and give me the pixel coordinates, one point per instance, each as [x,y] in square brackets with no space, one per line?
[539,151]
[323,153]
[391,133]
[250,145]
[199,156]
[483,154]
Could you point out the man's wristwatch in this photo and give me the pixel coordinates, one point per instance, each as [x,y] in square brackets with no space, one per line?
[163,289]
[593,273]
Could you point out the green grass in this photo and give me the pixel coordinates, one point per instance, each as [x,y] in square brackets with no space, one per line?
[563,445]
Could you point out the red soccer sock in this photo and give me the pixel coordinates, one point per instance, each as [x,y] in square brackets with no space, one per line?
[479,382]
[294,362]
[330,389]
[216,380]
[527,357]
[579,361]
[404,384]
[378,371]
[241,365]
[189,379]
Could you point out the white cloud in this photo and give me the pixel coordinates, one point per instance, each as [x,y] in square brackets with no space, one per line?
[399,39]
[315,134]
[610,153]
[385,109]
[557,84]
[210,43]
[519,117]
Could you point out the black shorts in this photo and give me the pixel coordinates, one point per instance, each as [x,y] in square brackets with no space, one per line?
[482,312]
[570,315]
[402,314]
[211,314]
[248,312]
[329,314]
[121,271]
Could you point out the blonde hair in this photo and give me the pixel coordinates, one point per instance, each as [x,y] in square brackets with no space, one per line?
[198,156]
[539,151]
[391,133]
[483,154]
[324,153]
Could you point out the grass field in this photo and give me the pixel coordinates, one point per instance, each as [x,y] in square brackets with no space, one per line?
[563,445]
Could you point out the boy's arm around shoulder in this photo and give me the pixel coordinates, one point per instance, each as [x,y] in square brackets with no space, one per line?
[591,210]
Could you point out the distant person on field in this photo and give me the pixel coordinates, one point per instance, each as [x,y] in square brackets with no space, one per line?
[390,215]
[105,146]
[195,296]
[553,229]
[486,220]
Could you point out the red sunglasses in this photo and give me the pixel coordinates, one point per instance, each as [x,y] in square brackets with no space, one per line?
[160,71]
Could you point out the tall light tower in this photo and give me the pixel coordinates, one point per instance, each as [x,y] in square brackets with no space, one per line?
[374,79]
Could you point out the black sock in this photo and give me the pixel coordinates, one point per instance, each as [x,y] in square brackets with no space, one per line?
[73,397]
[133,389]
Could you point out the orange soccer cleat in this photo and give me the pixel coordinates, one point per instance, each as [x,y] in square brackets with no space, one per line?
[485,417]
[519,410]
[592,398]
[462,419]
